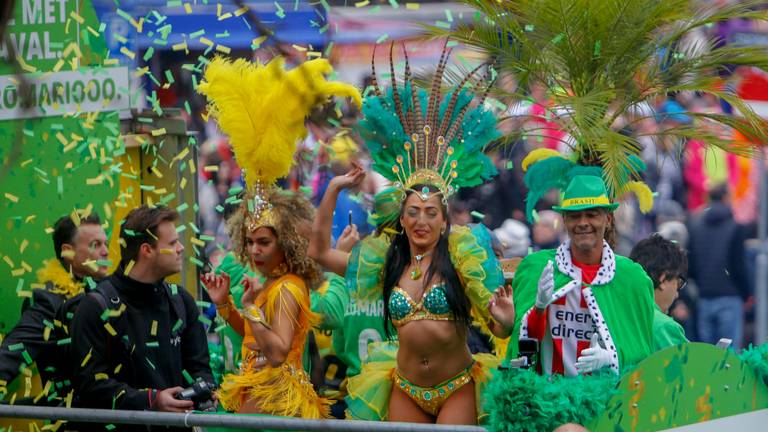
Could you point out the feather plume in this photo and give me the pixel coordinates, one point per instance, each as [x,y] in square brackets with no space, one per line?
[643,193]
[537,155]
[262,109]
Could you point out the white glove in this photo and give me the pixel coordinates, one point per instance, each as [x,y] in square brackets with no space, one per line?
[593,358]
[546,287]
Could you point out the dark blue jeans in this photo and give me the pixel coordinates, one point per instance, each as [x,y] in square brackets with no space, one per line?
[721,317]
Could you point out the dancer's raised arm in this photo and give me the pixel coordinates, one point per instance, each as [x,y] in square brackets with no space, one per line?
[320,240]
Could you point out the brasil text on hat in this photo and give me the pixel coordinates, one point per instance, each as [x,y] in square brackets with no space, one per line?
[585,192]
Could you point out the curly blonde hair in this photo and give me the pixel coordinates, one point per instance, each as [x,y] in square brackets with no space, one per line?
[291,210]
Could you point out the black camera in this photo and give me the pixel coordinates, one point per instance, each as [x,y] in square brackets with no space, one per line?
[201,393]
[528,355]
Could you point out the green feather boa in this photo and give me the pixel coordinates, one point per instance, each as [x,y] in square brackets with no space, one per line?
[522,400]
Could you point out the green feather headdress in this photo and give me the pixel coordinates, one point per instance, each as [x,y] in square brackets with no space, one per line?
[416,137]
[547,169]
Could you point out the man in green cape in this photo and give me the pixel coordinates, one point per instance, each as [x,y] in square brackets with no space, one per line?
[587,307]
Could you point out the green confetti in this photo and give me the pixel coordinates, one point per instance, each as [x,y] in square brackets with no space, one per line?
[169,76]
[382,38]
[597,49]
[280,11]
[65,341]
[477,214]
[196,262]
[27,357]
[510,164]
[443,24]
[529,27]
[197,34]
[394,4]
[187,376]
[181,228]
[16,347]
[181,207]
[558,38]
[154,344]
[448,15]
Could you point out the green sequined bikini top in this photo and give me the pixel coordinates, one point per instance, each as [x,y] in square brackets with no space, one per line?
[433,306]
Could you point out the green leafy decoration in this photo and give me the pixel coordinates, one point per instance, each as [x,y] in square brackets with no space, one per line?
[601,59]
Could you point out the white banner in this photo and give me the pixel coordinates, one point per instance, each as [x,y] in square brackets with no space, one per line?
[69,92]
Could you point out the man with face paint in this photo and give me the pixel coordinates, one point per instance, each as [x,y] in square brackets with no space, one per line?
[80,244]
[588,308]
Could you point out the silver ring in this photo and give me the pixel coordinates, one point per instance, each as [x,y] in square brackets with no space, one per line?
[185,418]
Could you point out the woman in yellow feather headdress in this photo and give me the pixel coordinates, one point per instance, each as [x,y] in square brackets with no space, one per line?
[262,109]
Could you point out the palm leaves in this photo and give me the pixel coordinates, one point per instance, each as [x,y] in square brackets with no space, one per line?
[600,59]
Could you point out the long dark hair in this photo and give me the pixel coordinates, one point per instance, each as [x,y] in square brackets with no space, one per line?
[399,257]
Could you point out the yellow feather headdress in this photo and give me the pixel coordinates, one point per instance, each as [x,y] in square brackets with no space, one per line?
[262,108]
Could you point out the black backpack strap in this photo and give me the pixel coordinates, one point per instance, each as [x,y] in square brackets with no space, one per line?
[179,309]
[109,299]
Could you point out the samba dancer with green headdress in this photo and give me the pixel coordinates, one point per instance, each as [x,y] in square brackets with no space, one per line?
[431,276]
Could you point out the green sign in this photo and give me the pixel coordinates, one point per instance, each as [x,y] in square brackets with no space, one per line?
[56,153]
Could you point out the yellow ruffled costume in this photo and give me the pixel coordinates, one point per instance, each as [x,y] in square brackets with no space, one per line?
[284,390]
[369,392]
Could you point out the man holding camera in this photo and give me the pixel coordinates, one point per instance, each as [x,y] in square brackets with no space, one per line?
[137,340]
[587,307]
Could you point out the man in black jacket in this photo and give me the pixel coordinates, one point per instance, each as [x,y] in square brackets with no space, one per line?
[716,264]
[81,251]
[138,359]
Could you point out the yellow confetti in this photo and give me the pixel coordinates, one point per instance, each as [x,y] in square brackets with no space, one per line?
[206,41]
[75,16]
[128,52]
[258,41]
[156,172]
[180,47]
[101,376]
[211,168]
[140,72]
[225,16]
[241,11]
[26,267]
[363,3]
[59,64]
[224,49]
[129,267]
[95,181]
[188,8]
[17,272]
[12,197]
[117,369]
[412,6]
[197,241]
[24,244]
[153,329]
[111,62]
[110,329]
[29,161]
[8,261]
[46,333]
[158,132]
[298,48]
[62,139]
[87,357]
[192,169]
[183,183]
